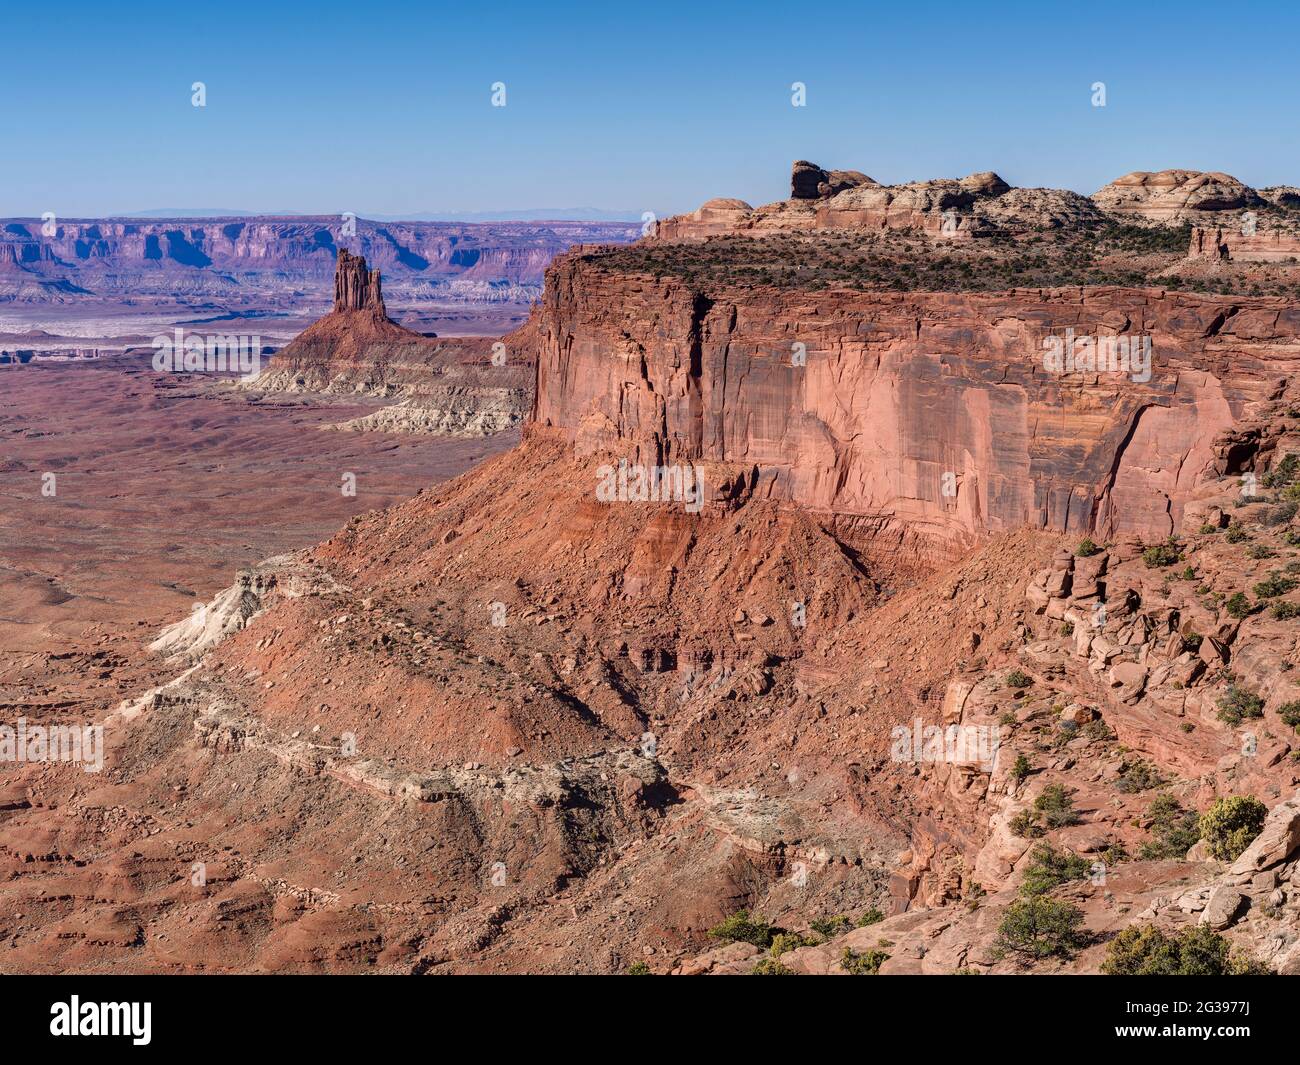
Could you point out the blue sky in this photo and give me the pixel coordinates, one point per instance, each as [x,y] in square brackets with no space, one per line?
[385,108]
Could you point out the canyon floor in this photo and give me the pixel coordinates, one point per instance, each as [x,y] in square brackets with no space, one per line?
[163,486]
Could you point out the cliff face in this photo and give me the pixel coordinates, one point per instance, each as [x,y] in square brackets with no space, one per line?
[355,287]
[929,412]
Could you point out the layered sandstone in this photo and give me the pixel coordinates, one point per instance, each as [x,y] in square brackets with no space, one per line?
[1174,195]
[1245,244]
[935,414]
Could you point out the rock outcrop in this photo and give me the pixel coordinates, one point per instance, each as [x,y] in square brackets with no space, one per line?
[866,405]
[458,386]
[355,287]
[1174,195]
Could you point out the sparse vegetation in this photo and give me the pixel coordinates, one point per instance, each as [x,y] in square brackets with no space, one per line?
[770,967]
[872,916]
[1283,472]
[1049,867]
[784,941]
[1038,927]
[1238,606]
[1056,806]
[1230,824]
[867,963]
[1174,829]
[1018,679]
[1235,534]
[1086,548]
[1290,714]
[1025,825]
[1144,950]
[1239,703]
[831,926]
[637,968]
[1138,776]
[1276,584]
[1159,555]
[740,927]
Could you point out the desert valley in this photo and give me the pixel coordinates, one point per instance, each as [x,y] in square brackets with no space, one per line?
[890,579]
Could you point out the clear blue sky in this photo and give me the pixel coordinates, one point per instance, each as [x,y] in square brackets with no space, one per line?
[384,108]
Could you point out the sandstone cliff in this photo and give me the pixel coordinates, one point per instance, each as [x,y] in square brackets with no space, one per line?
[865,405]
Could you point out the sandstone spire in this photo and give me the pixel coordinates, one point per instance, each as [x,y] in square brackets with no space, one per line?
[355,287]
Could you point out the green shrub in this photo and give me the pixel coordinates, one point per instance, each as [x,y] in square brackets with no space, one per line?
[1290,714]
[1159,555]
[1282,473]
[1086,548]
[741,928]
[1239,703]
[1038,927]
[1285,610]
[1276,584]
[1207,529]
[1056,806]
[1137,776]
[1019,679]
[1025,825]
[1050,867]
[1235,534]
[1258,551]
[784,941]
[1021,768]
[1144,950]
[831,926]
[1238,606]
[1188,574]
[872,916]
[770,967]
[637,968]
[1174,829]
[1229,826]
[866,964]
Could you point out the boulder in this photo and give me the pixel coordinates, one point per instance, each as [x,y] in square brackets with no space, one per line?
[1222,907]
[1276,843]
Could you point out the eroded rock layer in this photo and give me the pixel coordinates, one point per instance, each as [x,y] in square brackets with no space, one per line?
[931,413]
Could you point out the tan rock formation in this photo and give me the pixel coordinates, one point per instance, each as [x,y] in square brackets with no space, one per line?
[1170,196]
